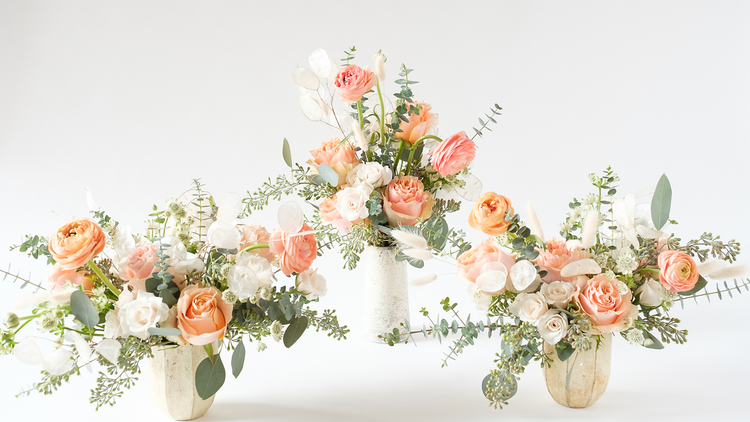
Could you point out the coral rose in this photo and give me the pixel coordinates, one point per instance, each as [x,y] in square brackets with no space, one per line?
[339,155]
[608,310]
[488,214]
[202,315]
[329,214]
[296,251]
[453,154]
[677,271]
[60,276]
[417,125]
[405,200]
[559,253]
[140,263]
[471,262]
[75,243]
[352,82]
[256,235]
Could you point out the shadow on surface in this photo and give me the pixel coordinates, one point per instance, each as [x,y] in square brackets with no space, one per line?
[232,411]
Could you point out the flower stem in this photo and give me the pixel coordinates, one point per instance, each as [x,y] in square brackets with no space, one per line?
[413,148]
[251,247]
[24,324]
[382,113]
[103,278]
[398,157]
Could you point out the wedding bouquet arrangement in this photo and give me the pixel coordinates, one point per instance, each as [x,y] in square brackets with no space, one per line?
[198,276]
[386,171]
[616,268]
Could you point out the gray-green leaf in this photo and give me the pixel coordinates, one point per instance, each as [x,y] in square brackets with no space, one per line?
[701,283]
[656,343]
[294,331]
[329,174]
[287,152]
[238,359]
[83,309]
[209,377]
[163,331]
[661,202]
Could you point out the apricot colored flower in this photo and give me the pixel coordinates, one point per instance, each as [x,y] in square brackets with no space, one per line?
[677,271]
[559,253]
[60,276]
[140,263]
[202,315]
[488,214]
[352,82]
[608,310]
[453,154]
[471,262]
[417,125]
[296,251]
[339,155]
[256,235]
[405,200]
[75,243]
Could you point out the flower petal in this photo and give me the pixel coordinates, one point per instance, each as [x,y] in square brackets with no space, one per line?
[306,78]
[580,267]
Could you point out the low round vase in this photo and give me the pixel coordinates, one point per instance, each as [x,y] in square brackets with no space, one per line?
[582,378]
[386,292]
[172,380]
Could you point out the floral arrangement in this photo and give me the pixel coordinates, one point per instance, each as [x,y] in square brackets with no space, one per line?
[198,276]
[615,270]
[386,171]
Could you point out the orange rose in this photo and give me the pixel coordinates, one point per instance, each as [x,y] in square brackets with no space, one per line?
[677,271]
[202,315]
[471,262]
[296,252]
[76,243]
[352,82]
[488,214]
[417,125]
[340,156]
[559,253]
[405,200]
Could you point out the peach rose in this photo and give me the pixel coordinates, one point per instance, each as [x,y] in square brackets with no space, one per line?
[60,276]
[417,125]
[559,253]
[329,214]
[76,243]
[352,82]
[140,263]
[470,263]
[202,315]
[404,201]
[677,271]
[609,311]
[340,156]
[296,251]
[256,235]
[453,154]
[488,214]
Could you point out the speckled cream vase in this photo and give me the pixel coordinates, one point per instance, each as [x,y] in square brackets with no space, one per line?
[171,375]
[582,378]
[386,292]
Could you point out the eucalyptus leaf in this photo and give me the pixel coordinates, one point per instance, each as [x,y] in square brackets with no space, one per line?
[238,359]
[209,377]
[287,153]
[565,353]
[656,343]
[154,331]
[700,284]
[294,331]
[83,309]
[329,174]
[661,202]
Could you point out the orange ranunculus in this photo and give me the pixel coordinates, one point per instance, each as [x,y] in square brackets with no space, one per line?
[202,315]
[417,125]
[59,277]
[488,214]
[352,82]
[340,156]
[677,271]
[453,154]
[405,200]
[256,235]
[75,243]
[296,251]
[559,253]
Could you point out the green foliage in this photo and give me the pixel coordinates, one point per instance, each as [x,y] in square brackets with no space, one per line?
[661,202]
[667,328]
[326,322]
[718,292]
[286,151]
[35,246]
[116,378]
[209,376]
[294,331]
[238,359]
[17,277]
[495,111]
[349,56]
[706,245]
[699,285]
[83,309]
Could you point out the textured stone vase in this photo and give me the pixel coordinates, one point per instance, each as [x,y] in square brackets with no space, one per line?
[582,378]
[386,292]
[171,375]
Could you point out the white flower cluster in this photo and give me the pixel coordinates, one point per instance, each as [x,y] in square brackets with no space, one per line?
[543,309]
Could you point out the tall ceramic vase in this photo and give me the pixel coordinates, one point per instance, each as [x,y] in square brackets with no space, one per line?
[582,378]
[386,292]
[172,380]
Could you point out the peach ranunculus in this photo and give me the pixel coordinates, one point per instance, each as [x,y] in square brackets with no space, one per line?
[352,82]
[559,253]
[60,276]
[140,263]
[296,251]
[256,235]
[417,125]
[488,214]
[453,154]
[202,315]
[76,243]
[405,200]
[608,310]
[471,262]
[339,155]
[677,271]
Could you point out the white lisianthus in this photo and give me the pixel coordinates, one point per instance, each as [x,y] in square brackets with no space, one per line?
[137,316]
[311,284]
[123,241]
[481,300]
[176,250]
[351,203]
[529,307]
[188,266]
[260,265]
[650,293]
[492,278]
[373,175]
[251,272]
[522,274]
[558,293]
[553,326]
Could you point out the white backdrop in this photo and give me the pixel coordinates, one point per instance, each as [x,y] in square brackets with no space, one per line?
[134,99]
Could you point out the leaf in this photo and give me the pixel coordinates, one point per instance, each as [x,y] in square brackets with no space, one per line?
[700,284]
[437,232]
[565,353]
[328,174]
[209,377]
[661,202]
[656,343]
[238,359]
[83,309]
[163,331]
[294,331]
[286,151]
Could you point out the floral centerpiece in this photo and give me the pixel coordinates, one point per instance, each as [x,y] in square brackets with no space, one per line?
[198,276]
[616,269]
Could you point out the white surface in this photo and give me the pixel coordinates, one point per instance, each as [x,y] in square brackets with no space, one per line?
[133,99]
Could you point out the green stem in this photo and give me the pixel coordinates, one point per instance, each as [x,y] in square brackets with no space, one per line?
[22,325]
[413,148]
[398,157]
[382,112]
[251,247]
[362,127]
[103,278]
[598,212]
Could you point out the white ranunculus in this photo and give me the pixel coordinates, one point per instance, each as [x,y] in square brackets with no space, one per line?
[650,293]
[492,278]
[529,307]
[187,266]
[558,293]
[351,203]
[224,235]
[553,326]
[311,284]
[137,316]
[481,300]
[259,265]
[242,281]
[374,175]
[522,274]
[176,250]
